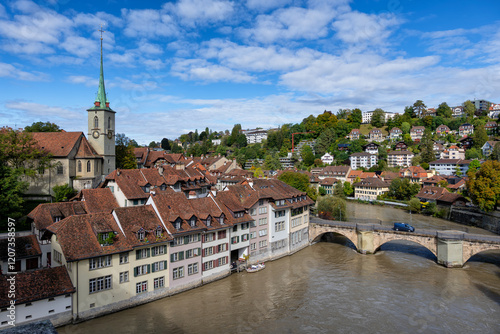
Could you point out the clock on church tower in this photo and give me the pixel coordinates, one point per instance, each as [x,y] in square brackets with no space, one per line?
[101,125]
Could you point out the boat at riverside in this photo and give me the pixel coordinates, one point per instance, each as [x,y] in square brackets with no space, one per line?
[256,267]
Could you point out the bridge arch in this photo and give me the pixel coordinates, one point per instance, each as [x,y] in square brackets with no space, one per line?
[318,231]
[382,238]
[468,255]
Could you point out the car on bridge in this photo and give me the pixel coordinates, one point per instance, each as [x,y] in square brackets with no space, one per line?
[403,227]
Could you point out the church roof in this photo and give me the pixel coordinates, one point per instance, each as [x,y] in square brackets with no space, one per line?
[86,150]
[101,101]
[59,144]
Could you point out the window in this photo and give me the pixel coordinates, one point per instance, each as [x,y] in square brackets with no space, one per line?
[109,122]
[262,243]
[96,122]
[235,240]
[123,258]
[159,250]
[261,202]
[253,212]
[79,166]
[208,265]
[178,241]
[244,237]
[279,226]
[124,277]
[141,233]
[60,170]
[221,234]
[244,226]
[253,246]
[193,252]
[262,221]
[57,256]
[142,253]
[280,213]
[100,262]
[192,222]
[178,272]
[177,223]
[159,232]
[221,219]
[235,228]
[263,210]
[208,251]
[221,248]
[159,282]
[253,235]
[141,287]
[142,270]
[158,266]
[209,221]
[99,284]
[89,169]
[253,223]
[209,237]
[262,232]
[223,261]
[193,268]
[177,256]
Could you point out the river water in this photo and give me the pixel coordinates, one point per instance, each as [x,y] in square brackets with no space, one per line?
[330,288]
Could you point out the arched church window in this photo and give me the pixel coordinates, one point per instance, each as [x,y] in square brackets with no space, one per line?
[88,167]
[79,166]
[109,122]
[96,122]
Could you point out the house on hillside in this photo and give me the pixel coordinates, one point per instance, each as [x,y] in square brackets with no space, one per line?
[417,132]
[399,158]
[488,147]
[369,188]
[442,130]
[395,134]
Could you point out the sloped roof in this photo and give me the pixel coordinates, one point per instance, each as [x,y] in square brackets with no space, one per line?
[371,182]
[85,150]
[25,246]
[59,144]
[36,285]
[44,214]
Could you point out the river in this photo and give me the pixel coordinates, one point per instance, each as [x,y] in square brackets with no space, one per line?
[330,288]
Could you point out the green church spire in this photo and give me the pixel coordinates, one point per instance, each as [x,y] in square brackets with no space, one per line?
[101,102]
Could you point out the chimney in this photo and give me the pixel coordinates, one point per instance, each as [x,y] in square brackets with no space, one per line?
[117,172]
[160,170]
[219,155]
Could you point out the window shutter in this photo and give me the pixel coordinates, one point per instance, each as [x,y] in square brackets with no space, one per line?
[149,268]
[164,249]
[135,272]
[153,269]
[227,259]
[137,254]
[186,240]
[165,264]
[148,251]
[172,258]
[199,251]
[181,255]
[227,246]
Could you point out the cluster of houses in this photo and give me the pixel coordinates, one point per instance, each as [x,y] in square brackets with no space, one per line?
[146,234]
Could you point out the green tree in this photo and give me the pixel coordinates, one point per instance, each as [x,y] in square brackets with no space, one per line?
[258,173]
[348,189]
[458,171]
[124,152]
[378,118]
[153,144]
[409,113]
[321,191]
[165,144]
[414,205]
[419,108]
[469,109]
[324,141]
[427,148]
[479,137]
[473,153]
[495,153]
[339,190]
[63,193]
[307,155]
[12,189]
[474,166]
[405,127]
[42,127]
[443,110]
[355,117]
[272,162]
[331,207]
[402,189]
[484,185]
[297,180]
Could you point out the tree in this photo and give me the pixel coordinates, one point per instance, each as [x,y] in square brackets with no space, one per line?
[124,152]
[42,127]
[419,108]
[474,165]
[348,190]
[495,154]
[409,113]
[153,144]
[414,205]
[258,173]
[484,186]
[402,189]
[297,180]
[307,155]
[378,118]
[355,117]
[339,190]
[63,193]
[272,162]
[479,137]
[473,153]
[324,141]
[443,110]
[405,127]
[427,148]
[331,207]
[165,144]
[469,109]
[21,159]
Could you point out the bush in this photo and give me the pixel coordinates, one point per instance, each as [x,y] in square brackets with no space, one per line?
[414,205]
[330,207]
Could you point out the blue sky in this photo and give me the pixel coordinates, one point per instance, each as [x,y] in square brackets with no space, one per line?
[171,67]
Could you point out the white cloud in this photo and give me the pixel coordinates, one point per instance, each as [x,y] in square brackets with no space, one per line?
[36,110]
[83,79]
[264,5]
[290,24]
[3,13]
[199,69]
[193,12]
[151,49]
[9,70]
[80,46]
[149,23]
[127,58]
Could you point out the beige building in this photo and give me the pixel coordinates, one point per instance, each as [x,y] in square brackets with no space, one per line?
[369,188]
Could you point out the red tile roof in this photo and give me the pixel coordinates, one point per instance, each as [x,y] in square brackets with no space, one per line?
[36,285]
[59,144]
[25,247]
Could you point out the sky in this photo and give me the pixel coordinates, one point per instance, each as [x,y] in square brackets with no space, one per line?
[176,66]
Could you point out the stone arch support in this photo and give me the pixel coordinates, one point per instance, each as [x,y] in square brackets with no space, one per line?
[471,248]
[316,230]
[381,238]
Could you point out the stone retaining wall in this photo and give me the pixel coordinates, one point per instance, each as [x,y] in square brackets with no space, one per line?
[473,217]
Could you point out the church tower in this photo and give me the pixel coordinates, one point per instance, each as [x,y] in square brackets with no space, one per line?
[101,126]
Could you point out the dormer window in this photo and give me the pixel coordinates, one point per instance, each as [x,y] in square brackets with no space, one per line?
[177,223]
[221,219]
[146,188]
[209,221]
[141,234]
[163,187]
[57,218]
[158,232]
[192,221]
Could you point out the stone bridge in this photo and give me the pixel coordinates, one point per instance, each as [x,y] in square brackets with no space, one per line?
[451,248]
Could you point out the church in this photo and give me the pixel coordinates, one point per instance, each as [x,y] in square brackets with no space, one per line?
[77,161]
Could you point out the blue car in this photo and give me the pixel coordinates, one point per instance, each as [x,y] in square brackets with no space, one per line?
[403,227]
